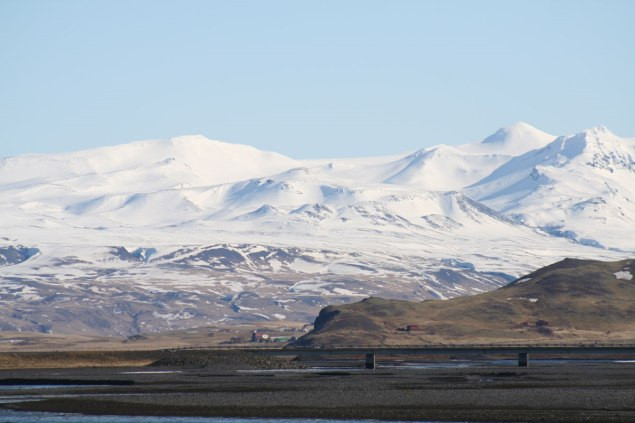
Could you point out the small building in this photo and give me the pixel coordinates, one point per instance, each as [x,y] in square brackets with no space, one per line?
[259,337]
[410,328]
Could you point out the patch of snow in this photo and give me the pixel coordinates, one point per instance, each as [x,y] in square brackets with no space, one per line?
[348,269]
[624,275]
[531,300]
[172,316]
[304,266]
[276,265]
[343,291]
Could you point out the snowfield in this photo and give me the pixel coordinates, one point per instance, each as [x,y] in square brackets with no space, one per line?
[186,232]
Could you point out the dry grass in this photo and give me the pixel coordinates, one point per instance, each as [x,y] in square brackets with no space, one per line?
[70,359]
[577,301]
[195,337]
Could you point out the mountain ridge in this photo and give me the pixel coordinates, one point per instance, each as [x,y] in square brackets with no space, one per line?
[252,237]
[566,185]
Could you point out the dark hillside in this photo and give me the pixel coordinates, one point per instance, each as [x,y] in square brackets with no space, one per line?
[572,300]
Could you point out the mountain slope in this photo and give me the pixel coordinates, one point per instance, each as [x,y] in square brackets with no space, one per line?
[568,300]
[444,168]
[579,186]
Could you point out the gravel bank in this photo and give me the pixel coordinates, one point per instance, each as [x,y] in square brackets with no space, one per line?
[553,393]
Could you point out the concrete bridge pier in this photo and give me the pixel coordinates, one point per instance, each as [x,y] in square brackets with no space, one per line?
[370,361]
[523,359]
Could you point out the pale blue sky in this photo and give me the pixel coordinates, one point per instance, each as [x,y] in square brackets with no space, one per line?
[310,78]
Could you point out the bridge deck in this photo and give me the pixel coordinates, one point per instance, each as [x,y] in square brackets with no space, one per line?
[522,351]
[439,350]
[470,350]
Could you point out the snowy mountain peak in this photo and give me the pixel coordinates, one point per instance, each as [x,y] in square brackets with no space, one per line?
[598,130]
[435,151]
[202,142]
[600,148]
[443,168]
[194,141]
[515,132]
[596,147]
[597,137]
[150,165]
[511,140]
[572,187]
[183,139]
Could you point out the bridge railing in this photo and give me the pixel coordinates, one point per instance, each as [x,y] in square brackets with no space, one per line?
[430,347]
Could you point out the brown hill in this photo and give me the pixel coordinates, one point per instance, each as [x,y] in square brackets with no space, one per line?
[572,300]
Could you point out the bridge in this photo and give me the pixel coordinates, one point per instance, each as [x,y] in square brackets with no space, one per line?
[521,351]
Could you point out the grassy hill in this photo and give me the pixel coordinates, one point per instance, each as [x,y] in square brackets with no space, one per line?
[572,300]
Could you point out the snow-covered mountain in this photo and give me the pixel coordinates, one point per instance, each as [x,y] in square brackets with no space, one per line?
[185,232]
[144,166]
[580,186]
[512,140]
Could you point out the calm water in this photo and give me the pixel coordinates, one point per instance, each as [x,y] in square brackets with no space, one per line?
[7,416]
